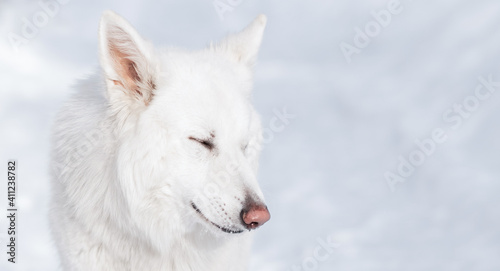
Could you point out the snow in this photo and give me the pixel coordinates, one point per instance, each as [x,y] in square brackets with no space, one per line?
[323,174]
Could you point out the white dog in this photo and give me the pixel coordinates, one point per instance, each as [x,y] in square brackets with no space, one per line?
[155,160]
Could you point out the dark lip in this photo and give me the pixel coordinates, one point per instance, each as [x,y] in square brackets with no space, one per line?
[219,227]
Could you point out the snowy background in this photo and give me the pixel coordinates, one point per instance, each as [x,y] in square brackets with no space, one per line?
[324,174]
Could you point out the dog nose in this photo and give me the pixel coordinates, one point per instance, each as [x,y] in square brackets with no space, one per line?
[255,216]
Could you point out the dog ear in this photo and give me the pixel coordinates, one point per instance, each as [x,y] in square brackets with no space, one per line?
[126,59]
[244,46]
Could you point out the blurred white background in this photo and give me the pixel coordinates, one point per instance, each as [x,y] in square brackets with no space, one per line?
[324,174]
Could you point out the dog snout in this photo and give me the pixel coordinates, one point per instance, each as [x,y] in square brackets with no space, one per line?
[255,215]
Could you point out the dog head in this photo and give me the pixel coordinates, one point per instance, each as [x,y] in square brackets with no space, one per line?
[188,137]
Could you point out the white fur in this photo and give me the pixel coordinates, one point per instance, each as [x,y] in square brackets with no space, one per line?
[126,172]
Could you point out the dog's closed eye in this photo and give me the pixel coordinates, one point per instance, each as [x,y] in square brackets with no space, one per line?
[244,147]
[209,144]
